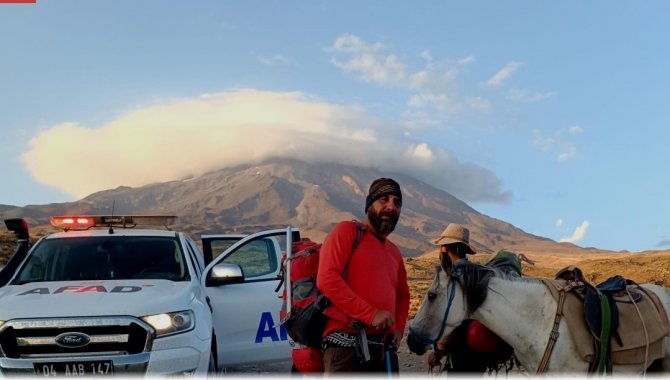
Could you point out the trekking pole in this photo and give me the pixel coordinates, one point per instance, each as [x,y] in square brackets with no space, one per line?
[389,371]
[287,263]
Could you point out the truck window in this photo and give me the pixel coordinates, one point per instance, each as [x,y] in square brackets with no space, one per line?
[195,257]
[220,245]
[257,258]
[105,258]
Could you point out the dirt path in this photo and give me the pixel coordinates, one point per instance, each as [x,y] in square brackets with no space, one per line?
[411,365]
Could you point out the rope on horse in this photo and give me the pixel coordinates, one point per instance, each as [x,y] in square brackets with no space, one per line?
[646,333]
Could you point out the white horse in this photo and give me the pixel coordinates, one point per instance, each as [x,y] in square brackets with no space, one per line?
[519,310]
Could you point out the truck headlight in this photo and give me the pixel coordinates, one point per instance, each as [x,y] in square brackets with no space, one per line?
[171,323]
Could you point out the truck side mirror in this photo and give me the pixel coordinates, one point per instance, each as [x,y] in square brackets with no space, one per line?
[20,228]
[225,273]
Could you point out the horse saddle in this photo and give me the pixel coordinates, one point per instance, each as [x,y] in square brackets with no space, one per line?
[602,312]
[608,321]
[601,301]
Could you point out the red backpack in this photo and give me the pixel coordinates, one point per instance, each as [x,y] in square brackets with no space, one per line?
[305,321]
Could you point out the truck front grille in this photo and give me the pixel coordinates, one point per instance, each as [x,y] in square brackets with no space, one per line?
[34,338]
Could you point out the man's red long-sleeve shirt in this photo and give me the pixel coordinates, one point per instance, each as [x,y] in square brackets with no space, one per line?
[376,280]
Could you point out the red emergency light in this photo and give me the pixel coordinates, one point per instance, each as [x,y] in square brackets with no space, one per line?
[84,222]
[72,222]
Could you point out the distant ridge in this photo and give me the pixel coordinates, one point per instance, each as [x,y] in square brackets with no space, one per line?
[281,192]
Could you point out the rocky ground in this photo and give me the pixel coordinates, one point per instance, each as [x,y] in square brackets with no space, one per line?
[410,364]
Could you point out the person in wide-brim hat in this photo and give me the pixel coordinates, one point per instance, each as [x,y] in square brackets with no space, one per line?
[455,241]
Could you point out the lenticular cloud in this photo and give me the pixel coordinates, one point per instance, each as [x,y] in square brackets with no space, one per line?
[189,137]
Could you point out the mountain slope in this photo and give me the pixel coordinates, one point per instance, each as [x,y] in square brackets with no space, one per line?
[281,192]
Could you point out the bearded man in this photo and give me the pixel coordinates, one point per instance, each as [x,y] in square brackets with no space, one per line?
[367,287]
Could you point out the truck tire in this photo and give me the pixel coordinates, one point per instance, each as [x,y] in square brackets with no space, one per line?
[211,369]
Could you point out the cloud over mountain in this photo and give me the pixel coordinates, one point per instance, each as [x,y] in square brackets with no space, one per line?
[189,137]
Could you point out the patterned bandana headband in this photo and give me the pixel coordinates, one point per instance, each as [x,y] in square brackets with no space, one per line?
[382,187]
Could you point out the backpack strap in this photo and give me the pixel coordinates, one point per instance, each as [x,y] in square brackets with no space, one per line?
[361,229]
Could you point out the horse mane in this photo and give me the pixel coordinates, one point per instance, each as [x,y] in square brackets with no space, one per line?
[475,278]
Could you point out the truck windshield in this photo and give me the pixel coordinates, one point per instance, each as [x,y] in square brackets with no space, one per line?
[105,258]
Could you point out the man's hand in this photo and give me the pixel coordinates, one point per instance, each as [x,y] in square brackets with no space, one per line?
[434,359]
[383,320]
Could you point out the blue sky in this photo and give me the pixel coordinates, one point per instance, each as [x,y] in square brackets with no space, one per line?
[549,115]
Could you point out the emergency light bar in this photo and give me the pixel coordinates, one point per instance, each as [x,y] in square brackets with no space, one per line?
[84,222]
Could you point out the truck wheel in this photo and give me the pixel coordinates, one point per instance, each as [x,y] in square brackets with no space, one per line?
[211,369]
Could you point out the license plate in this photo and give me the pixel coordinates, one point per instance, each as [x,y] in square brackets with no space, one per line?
[89,368]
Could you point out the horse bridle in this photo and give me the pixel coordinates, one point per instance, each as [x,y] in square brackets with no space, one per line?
[433,342]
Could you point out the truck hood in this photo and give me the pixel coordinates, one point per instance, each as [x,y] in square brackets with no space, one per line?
[94,298]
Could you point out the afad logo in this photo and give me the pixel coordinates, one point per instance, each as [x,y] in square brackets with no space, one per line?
[268,329]
[18,1]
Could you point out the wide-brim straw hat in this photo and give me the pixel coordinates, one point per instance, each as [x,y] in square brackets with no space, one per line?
[455,233]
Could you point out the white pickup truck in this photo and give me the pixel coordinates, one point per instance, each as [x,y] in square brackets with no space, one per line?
[101,298]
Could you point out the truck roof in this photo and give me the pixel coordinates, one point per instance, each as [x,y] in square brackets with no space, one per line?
[117,232]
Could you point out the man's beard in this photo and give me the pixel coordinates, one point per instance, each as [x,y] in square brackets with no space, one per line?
[383,225]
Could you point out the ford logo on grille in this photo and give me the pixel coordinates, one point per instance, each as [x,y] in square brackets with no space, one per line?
[72,340]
